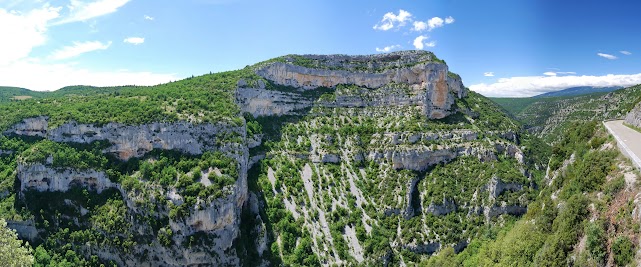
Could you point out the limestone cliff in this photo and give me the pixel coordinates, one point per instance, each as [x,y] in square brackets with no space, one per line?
[634,116]
[129,141]
[43,178]
[377,154]
[431,86]
[219,218]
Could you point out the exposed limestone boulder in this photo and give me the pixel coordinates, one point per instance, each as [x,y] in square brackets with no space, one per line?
[634,117]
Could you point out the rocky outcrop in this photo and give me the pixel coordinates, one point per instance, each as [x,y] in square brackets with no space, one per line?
[428,248]
[135,140]
[129,141]
[311,78]
[413,199]
[36,126]
[261,102]
[417,160]
[398,138]
[634,116]
[44,178]
[26,230]
[510,150]
[496,187]
[445,208]
[421,158]
[218,218]
[431,85]
[456,85]
[220,214]
[499,210]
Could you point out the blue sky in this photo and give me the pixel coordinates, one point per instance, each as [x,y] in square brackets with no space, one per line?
[500,48]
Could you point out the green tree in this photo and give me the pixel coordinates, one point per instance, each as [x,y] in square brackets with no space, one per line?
[622,250]
[596,241]
[12,251]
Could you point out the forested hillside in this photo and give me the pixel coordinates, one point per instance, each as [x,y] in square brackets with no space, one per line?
[585,215]
[313,160]
[549,117]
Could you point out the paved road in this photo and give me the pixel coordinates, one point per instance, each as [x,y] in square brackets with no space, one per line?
[628,139]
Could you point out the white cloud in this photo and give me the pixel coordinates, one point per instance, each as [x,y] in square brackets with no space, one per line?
[433,23]
[627,53]
[388,48]
[56,76]
[390,20]
[82,11]
[488,74]
[534,85]
[419,42]
[449,20]
[134,40]
[419,26]
[608,56]
[77,49]
[22,32]
[557,73]
[147,17]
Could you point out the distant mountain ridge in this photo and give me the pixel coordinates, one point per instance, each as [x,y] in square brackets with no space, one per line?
[580,90]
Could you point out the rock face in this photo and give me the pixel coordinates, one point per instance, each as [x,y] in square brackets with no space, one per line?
[30,127]
[219,218]
[43,178]
[497,187]
[430,83]
[421,158]
[499,210]
[447,207]
[261,102]
[135,140]
[25,229]
[417,160]
[634,117]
